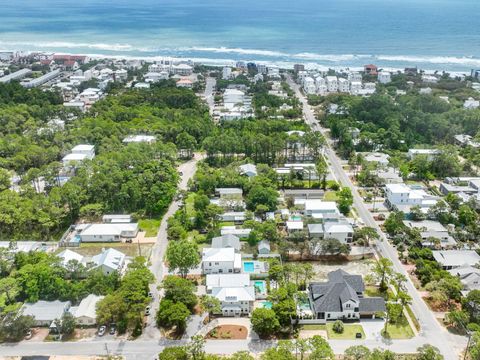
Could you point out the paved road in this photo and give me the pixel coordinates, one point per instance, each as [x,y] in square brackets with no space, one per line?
[431,330]
[187,170]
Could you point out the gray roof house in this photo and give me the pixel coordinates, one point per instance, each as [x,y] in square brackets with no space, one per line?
[227,241]
[44,312]
[451,259]
[469,277]
[264,247]
[341,297]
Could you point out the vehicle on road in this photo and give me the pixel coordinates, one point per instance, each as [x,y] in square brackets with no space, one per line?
[150,294]
[147,310]
[28,335]
[101,330]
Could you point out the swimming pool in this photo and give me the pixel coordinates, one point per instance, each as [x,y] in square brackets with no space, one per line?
[248,266]
[266,304]
[260,286]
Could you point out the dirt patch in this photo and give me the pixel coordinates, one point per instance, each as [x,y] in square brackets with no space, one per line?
[440,306]
[83,334]
[322,268]
[228,332]
[39,334]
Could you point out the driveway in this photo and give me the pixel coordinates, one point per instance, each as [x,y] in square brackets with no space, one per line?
[372,328]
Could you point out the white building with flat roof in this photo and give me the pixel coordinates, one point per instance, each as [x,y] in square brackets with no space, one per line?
[226,280]
[221,261]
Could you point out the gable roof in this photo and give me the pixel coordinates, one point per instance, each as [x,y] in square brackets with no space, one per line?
[226,241]
[110,258]
[87,307]
[340,288]
[46,310]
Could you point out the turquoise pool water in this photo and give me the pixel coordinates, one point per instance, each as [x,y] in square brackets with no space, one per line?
[296,218]
[260,285]
[248,266]
[266,304]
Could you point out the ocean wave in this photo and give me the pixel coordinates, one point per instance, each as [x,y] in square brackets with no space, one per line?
[71,45]
[226,50]
[467,61]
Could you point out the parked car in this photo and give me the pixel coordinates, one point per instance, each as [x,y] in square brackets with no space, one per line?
[28,335]
[150,294]
[113,329]
[101,330]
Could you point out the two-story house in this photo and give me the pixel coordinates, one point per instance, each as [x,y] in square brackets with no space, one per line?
[341,298]
[221,261]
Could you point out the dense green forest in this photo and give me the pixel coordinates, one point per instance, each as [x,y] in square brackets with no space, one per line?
[135,178]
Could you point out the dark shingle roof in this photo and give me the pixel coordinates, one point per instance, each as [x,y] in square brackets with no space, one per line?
[373,304]
[355,281]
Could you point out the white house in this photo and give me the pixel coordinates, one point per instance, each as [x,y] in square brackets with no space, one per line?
[85,313]
[342,297]
[226,73]
[318,208]
[226,280]
[116,218]
[235,301]
[78,154]
[384,77]
[332,83]
[110,232]
[221,261]
[400,195]
[68,255]
[432,229]
[338,229]
[109,260]
[469,277]
[343,85]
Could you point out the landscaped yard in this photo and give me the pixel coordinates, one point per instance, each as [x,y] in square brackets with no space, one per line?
[400,330]
[233,332]
[150,226]
[349,332]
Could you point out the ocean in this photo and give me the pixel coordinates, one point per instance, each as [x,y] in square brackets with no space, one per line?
[430,34]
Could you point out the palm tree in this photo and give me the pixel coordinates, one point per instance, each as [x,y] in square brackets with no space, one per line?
[404,299]
[210,305]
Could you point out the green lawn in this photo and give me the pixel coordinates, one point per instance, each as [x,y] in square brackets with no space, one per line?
[226,223]
[150,226]
[349,332]
[412,316]
[132,250]
[401,330]
[330,196]
[313,327]
[373,291]
[189,205]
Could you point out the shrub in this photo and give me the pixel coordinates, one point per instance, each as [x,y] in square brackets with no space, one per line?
[338,326]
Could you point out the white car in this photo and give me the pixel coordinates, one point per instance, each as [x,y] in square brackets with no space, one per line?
[101,330]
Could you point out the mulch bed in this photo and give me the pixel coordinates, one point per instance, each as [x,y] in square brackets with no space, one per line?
[232,332]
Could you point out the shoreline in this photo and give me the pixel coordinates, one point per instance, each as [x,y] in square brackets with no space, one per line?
[226,57]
